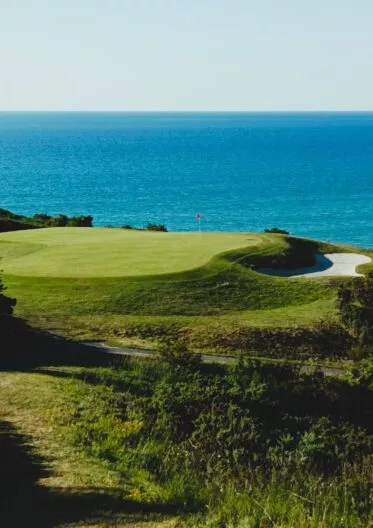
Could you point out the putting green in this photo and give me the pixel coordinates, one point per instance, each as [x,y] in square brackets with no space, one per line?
[99,252]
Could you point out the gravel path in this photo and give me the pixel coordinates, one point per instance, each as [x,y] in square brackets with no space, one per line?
[206,358]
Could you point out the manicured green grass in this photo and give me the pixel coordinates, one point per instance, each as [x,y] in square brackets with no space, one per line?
[92,283]
[82,252]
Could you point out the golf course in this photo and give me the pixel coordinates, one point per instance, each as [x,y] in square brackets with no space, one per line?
[79,252]
[246,395]
[139,287]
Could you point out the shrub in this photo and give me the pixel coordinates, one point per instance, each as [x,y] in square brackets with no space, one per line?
[156,227]
[278,438]
[177,356]
[324,340]
[13,222]
[80,221]
[58,221]
[277,230]
[41,217]
[355,304]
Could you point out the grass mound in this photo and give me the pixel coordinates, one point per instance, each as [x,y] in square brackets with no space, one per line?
[80,252]
[227,282]
[96,279]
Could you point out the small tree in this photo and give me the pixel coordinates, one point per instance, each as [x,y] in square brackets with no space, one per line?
[277,230]
[155,227]
[41,217]
[80,221]
[58,221]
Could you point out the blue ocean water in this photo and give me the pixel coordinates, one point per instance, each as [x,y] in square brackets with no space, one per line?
[309,173]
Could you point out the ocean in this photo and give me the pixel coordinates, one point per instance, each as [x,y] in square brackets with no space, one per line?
[308,173]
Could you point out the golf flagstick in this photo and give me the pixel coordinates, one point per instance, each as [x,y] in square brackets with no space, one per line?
[198,217]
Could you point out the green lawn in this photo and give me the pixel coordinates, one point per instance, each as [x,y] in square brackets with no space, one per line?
[82,252]
[93,283]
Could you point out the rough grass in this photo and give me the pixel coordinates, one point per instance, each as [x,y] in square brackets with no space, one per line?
[48,481]
[143,331]
[70,454]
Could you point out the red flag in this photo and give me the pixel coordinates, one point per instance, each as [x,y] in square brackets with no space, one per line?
[198,216]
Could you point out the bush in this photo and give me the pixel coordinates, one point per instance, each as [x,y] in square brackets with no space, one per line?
[277,230]
[291,442]
[323,341]
[156,227]
[41,217]
[177,356]
[355,304]
[58,221]
[75,221]
[12,222]
[80,221]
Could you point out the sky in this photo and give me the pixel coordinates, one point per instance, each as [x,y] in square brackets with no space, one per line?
[195,55]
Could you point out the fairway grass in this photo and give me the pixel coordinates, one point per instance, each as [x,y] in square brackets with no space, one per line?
[82,252]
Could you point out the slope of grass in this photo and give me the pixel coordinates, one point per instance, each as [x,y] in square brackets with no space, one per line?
[183,277]
[200,333]
[126,446]
[47,481]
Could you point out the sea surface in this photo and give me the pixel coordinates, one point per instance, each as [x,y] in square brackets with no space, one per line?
[308,173]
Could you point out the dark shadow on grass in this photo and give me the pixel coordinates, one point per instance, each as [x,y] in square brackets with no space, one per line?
[136,389]
[25,348]
[25,503]
[322,263]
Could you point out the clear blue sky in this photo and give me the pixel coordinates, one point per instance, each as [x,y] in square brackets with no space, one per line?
[186,55]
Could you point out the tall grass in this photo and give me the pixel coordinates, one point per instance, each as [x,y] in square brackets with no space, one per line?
[289,453]
[289,500]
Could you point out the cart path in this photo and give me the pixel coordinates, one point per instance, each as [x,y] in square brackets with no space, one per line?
[206,358]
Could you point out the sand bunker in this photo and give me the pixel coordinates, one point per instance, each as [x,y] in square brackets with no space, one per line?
[328,265]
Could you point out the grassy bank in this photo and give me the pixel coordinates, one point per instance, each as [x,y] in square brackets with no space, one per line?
[104,283]
[48,481]
[77,252]
[148,444]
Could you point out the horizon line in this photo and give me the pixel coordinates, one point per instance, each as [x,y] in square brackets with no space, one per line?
[173,111]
